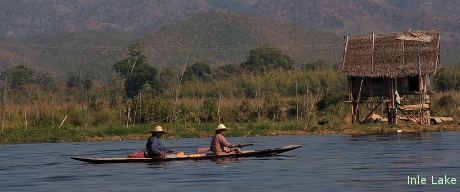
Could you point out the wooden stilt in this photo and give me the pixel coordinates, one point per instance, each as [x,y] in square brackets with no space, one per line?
[358,100]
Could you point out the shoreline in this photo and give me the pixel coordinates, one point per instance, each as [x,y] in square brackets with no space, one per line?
[95,134]
[349,130]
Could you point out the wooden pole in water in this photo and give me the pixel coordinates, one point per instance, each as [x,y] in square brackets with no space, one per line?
[359,97]
[52,110]
[38,109]
[82,100]
[392,104]
[307,107]
[4,103]
[350,98]
[218,108]
[395,83]
[258,98]
[296,98]
[25,115]
[128,111]
[140,107]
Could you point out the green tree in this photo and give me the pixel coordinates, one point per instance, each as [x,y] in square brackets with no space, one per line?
[268,57]
[168,77]
[45,80]
[329,100]
[317,65]
[22,75]
[444,80]
[201,71]
[73,81]
[136,71]
[19,75]
[150,108]
[226,71]
[87,84]
[209,109]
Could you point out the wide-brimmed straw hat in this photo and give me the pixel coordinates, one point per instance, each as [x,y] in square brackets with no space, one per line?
[221,127]
[158,129]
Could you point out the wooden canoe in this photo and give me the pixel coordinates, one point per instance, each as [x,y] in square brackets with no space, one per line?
[245,153]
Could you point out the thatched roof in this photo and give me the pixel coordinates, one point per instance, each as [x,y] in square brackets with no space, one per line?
[390,55]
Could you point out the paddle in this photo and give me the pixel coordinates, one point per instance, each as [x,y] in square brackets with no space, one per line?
[204,150]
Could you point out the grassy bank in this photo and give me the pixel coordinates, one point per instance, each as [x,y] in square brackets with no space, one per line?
[141,132]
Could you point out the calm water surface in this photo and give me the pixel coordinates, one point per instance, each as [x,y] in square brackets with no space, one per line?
[323,163]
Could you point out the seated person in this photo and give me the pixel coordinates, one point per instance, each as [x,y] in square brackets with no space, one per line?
[154,146]
[219,144]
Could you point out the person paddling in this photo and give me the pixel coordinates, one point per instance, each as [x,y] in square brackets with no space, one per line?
[219,144]
[154,146]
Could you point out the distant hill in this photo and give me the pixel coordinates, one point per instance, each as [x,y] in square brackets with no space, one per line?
[66,54]
[25,18]
[363,16]
[22,18]
[221,38]
[216,38]
[65,36]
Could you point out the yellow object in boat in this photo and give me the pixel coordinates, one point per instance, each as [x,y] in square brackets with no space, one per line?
[196,155]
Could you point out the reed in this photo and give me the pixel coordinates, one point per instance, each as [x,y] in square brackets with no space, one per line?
[194,130]
[269,104]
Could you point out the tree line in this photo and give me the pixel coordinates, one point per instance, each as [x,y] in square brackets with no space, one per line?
[267,86]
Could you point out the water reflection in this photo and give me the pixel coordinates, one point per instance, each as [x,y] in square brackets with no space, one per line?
[398,136]
[160,165]
[399,150]
[323,163]
[226,160]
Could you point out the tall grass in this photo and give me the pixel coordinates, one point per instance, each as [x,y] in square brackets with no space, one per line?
[277,102]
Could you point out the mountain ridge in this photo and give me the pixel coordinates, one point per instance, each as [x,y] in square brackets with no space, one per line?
[215,38]
[239,34]
[90,35]
[25,18]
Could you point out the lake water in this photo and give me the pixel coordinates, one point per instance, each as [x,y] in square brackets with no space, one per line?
[323,163]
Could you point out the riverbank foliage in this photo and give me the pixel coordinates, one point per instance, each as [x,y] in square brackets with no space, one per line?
[266,95]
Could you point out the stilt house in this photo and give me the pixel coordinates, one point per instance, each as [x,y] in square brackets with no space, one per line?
[383,68]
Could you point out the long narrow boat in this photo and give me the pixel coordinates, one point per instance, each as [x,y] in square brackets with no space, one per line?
[245,153]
